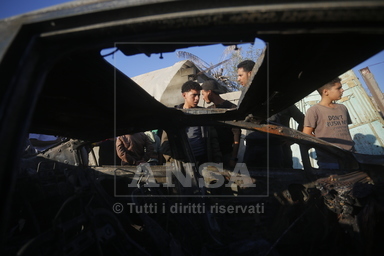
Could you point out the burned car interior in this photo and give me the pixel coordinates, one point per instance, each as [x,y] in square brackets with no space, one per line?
[55,81]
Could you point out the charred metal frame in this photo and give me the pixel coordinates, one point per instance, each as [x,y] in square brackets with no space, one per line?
[37,45]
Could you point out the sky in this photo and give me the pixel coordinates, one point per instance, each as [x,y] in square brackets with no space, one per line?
[211,54]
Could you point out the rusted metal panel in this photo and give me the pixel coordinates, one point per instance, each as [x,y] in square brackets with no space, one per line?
[367,129]
[370,81]
[368,139]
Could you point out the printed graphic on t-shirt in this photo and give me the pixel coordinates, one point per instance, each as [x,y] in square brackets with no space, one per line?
[338,125]
[330,124]
[336,121]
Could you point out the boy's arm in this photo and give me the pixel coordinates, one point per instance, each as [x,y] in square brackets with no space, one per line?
[308,130]
[310,121]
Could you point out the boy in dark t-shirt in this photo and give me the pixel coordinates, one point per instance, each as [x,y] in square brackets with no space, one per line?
[229,138]
[203,139]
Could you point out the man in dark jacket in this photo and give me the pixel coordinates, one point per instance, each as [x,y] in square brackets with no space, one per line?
[283,118]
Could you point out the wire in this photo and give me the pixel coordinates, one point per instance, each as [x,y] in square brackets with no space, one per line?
[375,64]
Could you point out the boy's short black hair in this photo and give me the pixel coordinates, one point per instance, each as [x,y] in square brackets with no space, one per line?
[190,85]
[329,85]
[247,65]
[212,85]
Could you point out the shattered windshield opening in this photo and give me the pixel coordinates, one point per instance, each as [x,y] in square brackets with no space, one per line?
[162,74]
